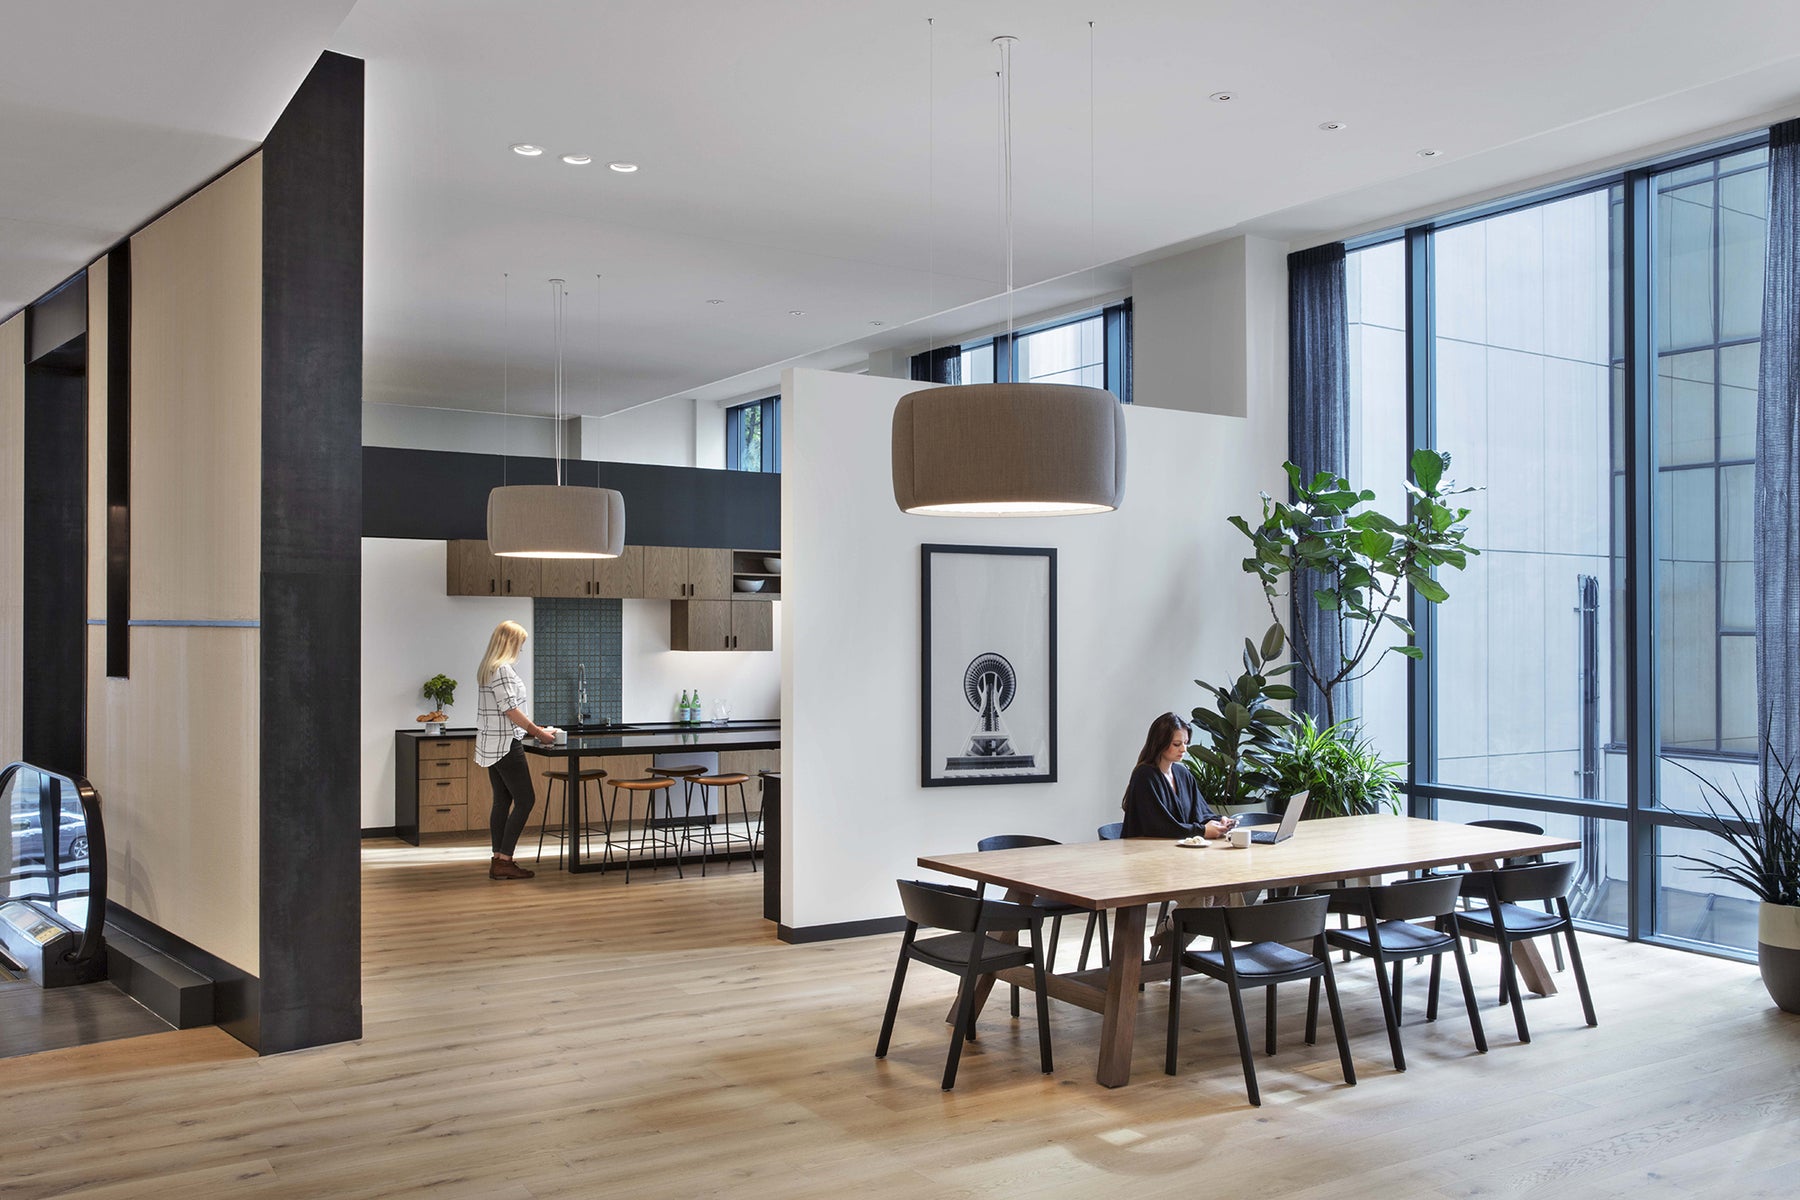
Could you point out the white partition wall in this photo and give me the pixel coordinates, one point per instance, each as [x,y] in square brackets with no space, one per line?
[1151,597]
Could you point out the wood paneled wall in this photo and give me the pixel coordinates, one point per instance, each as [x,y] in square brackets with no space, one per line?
[174,749]
[12,536]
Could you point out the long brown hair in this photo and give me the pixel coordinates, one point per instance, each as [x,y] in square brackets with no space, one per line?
[1162,732]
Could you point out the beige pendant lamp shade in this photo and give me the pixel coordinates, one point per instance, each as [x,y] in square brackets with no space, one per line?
[1009,450]
[556,520]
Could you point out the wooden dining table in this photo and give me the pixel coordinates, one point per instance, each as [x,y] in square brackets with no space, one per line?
[1128,875]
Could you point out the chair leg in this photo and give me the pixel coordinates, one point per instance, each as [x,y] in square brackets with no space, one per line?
[1269,1020]
[965,1016]
[1437,970]
[1043,1007]
[1581,985]
[1174,1016]
[1312,1012]
[1015,1001]
[1055,935]
[1243,1037]
[1105,941]
[1389,1015]
[1468,990]
[893,1006]
[1337,1024]
[1087,943]
[1509,983]
[1555,946]
[1399,1002]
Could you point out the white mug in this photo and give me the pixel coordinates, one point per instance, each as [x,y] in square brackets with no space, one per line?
[1240,838]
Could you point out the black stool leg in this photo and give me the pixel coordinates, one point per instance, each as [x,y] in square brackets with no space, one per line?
[749,834]
[543,823]
[674,842]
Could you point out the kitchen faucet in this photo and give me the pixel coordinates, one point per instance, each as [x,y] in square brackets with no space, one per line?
[581,699]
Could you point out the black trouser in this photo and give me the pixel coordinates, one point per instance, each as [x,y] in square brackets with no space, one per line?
[513,799]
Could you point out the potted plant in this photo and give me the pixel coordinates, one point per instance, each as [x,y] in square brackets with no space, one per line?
[1761,831]
[441,691]
[1245,734]
[1340,768]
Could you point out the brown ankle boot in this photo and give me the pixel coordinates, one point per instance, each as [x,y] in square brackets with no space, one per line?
[505,868]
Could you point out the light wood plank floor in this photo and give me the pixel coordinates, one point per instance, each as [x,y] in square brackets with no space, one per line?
[575,1038]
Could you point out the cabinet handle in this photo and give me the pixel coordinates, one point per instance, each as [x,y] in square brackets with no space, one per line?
[442,764]
[509,587]
[443,810]
[491,588]
[443,783]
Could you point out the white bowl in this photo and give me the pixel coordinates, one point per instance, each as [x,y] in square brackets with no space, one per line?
[749,585]
[772,565]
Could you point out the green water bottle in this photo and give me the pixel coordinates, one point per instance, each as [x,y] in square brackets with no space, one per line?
[694,709]
[682,711]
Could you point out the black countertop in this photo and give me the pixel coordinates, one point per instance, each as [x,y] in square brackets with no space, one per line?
[647,738]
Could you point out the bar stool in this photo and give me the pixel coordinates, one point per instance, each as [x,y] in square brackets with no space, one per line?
[569,826]
[724,784]
[686,776]
[647,837]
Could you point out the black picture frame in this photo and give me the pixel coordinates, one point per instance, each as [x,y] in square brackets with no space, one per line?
[995,607]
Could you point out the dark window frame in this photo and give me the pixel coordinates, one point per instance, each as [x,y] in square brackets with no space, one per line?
[943,364]
[768,412]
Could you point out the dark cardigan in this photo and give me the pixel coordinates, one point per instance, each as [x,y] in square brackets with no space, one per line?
[1153,810]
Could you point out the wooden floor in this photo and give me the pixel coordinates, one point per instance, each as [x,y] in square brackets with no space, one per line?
[575,1038]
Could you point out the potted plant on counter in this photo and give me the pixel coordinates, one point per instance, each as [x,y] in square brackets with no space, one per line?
[441,691]
[1761,831]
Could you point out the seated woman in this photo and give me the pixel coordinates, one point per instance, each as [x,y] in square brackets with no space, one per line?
[1162,800]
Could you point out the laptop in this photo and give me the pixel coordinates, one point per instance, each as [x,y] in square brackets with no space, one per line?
[1290,818]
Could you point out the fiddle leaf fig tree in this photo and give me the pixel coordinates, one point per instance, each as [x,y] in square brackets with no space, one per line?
[1358,562]
[1237,759]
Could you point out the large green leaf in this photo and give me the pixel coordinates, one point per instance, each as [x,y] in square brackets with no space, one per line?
[1428,468]
[1272,642]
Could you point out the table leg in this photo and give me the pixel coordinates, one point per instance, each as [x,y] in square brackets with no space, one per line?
[1118,1023]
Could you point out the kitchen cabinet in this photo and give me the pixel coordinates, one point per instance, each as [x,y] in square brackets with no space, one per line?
[721,625]
[620,578]
[470,570]
[687,573]
[431,778]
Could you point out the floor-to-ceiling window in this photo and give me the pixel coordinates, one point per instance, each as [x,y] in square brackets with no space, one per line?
[1515,330]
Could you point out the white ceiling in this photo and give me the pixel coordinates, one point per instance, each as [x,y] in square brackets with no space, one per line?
[820,156]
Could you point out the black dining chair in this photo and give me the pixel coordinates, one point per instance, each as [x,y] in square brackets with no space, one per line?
[1390,935]
[1504,920]
[1266,962]
[1056,910]
[1524,860]
[1113,832]
[967,952]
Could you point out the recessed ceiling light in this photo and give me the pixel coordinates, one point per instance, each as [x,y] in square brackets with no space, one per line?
[623,168]
[1222,97]
[578,160]
[1331,126]
[1429,153]
[878,324]
[527,149]
[715,302]
[796,312]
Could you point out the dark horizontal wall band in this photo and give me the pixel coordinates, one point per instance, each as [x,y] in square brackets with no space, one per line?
[843,929]
[195,624]
[237,994]
[436,494]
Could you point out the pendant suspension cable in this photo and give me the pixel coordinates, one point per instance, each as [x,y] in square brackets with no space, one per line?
[1093,240]
[557,304]
[931,193]
[1005,42]
[505,367]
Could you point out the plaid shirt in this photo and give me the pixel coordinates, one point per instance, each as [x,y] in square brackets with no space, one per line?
[494,734]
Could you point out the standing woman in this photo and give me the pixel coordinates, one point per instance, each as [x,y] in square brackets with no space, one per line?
[1162,800]
[500,722]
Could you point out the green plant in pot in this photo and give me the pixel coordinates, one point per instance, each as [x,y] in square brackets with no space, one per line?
[440,690]
[1340,768]
[1234,758]
[1761,831]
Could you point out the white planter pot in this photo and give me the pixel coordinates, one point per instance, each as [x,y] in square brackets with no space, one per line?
[1778,953]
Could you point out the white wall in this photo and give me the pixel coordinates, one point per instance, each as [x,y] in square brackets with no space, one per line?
[412,427]
[1210,326]
[660,433]
[654,676]
[1151,597]
[410,632]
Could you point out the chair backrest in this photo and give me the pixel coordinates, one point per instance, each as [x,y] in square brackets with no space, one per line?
[1410,899]
[1509,826]
[1546,882]
[1259,818]
[1113,832]
[939,905]
[1296,920]
[1014,841]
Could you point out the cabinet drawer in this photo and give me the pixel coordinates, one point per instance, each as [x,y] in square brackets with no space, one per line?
[442,766]
[442,818]
[445,747]
[434,792]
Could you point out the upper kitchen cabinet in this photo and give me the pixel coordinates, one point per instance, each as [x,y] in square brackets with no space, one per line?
[721,625]
[686,573]
[620,578]
[470,570]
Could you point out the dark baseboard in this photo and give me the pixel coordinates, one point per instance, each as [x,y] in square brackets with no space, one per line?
[381,831]
[237,994]
[843,929]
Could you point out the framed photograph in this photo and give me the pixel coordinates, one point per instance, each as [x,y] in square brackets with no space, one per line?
[988,665]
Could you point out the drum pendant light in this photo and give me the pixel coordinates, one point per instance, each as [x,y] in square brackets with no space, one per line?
[1008,449]
[556,520]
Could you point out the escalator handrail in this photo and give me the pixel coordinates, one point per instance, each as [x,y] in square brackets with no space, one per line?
[92,933]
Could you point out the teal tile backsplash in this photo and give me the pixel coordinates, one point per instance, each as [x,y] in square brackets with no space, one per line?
[569,634]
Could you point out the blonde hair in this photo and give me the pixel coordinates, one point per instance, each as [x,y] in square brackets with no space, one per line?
[503,647]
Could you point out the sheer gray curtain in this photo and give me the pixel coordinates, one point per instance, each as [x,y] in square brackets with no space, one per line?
[1318,428]
[1778,455]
